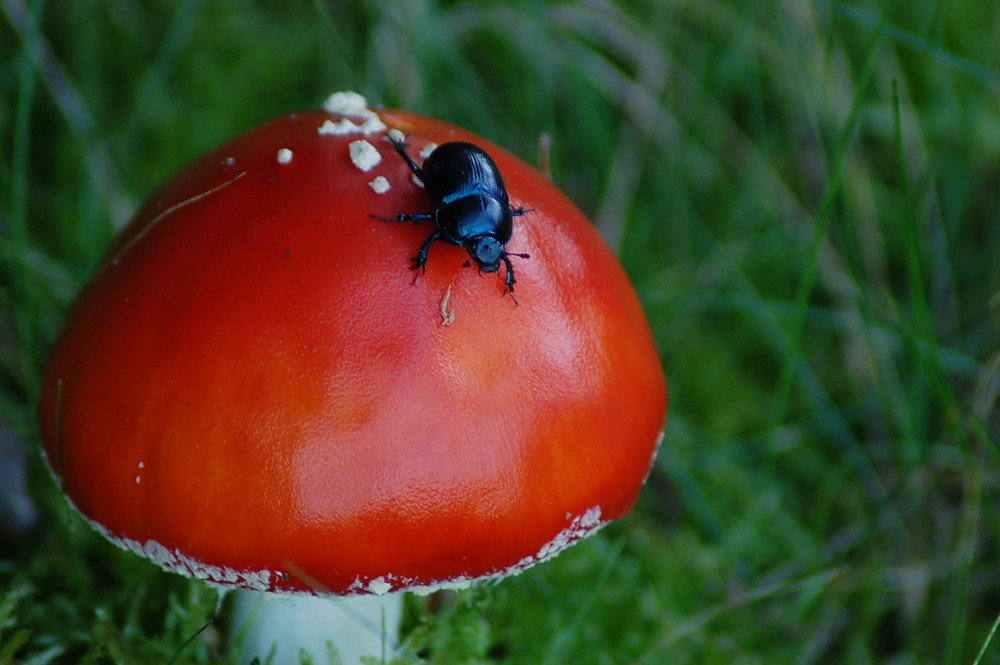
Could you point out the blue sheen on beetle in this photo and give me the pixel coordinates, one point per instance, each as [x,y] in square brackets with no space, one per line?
[471,206]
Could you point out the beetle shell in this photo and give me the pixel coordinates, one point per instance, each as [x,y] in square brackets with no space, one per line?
[458,169]
[472,216]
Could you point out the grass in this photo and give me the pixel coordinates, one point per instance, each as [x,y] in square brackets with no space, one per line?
[805,194]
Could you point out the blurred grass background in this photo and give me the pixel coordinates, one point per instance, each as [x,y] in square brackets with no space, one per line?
[806,196]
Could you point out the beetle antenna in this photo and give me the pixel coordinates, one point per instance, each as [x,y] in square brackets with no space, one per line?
[400,145]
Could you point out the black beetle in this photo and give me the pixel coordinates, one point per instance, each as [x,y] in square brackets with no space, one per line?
[471,205]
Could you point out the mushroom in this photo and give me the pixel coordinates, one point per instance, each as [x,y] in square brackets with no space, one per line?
[256,391]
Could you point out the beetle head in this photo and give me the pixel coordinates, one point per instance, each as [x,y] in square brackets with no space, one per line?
[486,251]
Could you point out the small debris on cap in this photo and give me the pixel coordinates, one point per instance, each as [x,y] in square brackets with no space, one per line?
[447,315]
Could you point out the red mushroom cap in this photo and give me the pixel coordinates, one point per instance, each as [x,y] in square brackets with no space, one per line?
[254,391]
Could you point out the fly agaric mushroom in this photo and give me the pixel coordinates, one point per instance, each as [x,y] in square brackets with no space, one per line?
[255,391]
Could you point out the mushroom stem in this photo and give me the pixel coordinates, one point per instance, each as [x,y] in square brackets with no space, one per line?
[277,629]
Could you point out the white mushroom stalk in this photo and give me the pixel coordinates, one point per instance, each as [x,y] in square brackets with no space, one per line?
[278,629]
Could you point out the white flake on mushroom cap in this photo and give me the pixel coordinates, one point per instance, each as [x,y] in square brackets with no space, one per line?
[354,105]
[347,102]
[364,155]
[345,126]
[395,136]
[380,184]
[284,156]
[379,586]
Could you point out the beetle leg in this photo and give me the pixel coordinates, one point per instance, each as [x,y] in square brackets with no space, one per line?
[416,218]
[412,217]
[400,146]
[510,280]
[521,210]
[420,260]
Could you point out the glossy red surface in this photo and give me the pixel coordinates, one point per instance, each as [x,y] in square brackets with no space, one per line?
[254,382]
